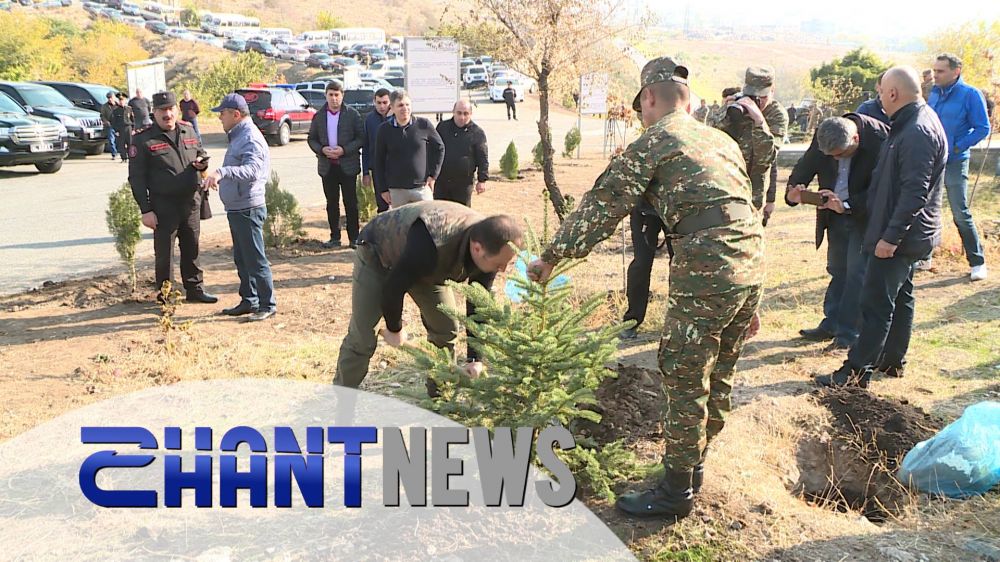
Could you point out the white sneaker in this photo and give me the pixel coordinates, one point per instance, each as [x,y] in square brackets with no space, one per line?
[923,265]
[978,273]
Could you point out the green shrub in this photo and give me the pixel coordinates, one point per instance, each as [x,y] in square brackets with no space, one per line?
[509,165]
[538,154]
[228,74]
[284,222]
[571,142]
[125,224]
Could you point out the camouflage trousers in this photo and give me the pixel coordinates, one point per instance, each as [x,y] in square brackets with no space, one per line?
[703,337]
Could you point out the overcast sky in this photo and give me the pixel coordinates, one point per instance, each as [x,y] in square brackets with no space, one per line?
[915,18]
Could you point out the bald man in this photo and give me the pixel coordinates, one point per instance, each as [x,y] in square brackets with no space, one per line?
[903,205]
[466,157]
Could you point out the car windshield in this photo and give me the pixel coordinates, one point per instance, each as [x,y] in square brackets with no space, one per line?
[8,105]
[41,97]
[359,96]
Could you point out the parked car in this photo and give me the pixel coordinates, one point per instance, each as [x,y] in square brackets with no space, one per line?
[376,83]
[375,53]
[177,33]
[311,85]
[30,139]
[496,90]
[208,39]
[475,75]
[157,27]
[344,62]
[315,98]
[134,20]
[319,60]
[263,47]
[394,73]
[318,47]
[361,100]
[278,112]
[84,96]
[237,45]
[395,82]
[86,131]
[5,5]
[296,54]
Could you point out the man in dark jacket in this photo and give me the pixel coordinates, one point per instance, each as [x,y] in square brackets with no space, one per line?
[373,121]
[140,109]
[510,98]
[335,136]
[843,154]
[873,107]
[904,225]
[122,121]
[466,157]
[107,109]
[408,155]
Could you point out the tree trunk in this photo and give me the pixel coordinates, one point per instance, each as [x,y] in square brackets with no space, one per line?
[548,153]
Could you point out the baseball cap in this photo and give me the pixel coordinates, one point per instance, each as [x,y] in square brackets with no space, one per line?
[233,101]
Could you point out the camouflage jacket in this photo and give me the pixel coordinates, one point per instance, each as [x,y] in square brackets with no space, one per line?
[681,168]
[759,145]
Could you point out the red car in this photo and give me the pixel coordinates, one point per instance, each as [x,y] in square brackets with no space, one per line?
[278,111]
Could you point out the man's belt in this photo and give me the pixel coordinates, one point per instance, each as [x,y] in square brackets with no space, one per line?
[713,217]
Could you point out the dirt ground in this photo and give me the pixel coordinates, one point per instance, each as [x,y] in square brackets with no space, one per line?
[71,344]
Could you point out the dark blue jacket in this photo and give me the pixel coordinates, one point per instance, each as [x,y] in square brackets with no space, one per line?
[962,110]
[904,199]
[372,122]
[873,108]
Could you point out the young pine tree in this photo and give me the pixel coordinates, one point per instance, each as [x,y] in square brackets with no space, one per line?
[508,162]
[125,223]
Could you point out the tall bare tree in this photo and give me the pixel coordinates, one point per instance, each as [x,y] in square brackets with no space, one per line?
[550,41]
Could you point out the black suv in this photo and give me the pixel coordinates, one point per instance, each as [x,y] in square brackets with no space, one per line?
[84,96]
[361,100]
[27,139]
[86,130]
[278,112]
[263,47]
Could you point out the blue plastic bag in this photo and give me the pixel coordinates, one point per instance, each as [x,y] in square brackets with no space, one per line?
[515,292]
[962,460]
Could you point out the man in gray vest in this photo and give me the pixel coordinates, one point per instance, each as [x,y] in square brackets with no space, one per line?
[415,249]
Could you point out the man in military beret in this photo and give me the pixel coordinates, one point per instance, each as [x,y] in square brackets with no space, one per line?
[758,123]
[694,178]
[164,164]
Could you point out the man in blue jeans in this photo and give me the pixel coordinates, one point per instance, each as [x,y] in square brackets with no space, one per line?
[962,110]
[240,181]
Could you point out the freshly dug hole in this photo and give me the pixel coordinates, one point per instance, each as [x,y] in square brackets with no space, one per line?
[851,462]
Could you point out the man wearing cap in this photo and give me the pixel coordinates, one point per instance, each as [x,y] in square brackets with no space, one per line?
[693,176]
[240,181]
[107,108]
[758,124]
[164,161]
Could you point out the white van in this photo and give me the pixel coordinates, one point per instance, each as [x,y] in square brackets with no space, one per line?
[273,33]
[310,36]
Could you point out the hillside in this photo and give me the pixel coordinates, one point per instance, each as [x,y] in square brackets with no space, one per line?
[397,17]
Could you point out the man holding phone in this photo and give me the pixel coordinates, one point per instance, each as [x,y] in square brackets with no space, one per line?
[842,156]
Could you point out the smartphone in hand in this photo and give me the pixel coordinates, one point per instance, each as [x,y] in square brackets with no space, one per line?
[813,198]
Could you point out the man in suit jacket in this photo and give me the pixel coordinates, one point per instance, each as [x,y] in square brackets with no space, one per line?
[842,156]
[336,135]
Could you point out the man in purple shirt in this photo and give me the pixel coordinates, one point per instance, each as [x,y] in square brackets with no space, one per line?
[335,136]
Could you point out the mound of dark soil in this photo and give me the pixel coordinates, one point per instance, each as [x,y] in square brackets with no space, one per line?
[631,406]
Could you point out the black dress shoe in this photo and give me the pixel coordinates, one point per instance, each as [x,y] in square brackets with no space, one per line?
[837,345]
[261,315]
[845,376]
[202,297]
[816,334]
[331,243]
[672,498]
[239,310]
[697,477]
[629,334]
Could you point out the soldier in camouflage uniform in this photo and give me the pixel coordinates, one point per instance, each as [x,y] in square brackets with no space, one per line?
[760,133]
[415,249]
[694,177]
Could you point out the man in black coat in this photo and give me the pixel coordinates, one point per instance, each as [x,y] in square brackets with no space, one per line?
[904,225]
[843,154]
[336,136]
[466,157]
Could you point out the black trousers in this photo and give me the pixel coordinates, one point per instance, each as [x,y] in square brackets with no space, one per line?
[180,219]
[511,108]
[334,182]
[646,226]
[887,307]
[457,192]
[124,141]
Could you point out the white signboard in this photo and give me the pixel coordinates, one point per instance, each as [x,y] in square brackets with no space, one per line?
[594,93]
[147,75]
[432,74]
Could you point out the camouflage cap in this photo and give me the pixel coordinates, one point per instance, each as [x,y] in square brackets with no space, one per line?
[662,69]
[759,81]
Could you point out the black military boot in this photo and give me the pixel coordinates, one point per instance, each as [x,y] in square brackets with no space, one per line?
[672,498]
[846,376]
[697,477]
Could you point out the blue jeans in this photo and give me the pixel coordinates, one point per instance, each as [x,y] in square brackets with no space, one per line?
[956,182]
[247,230]
[194,124]
[111,141]
[846,265]
[887,306]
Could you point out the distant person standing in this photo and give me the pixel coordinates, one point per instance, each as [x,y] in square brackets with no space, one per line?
[928,84]
[466,157]
[240,181]
[140,109]
[962,110]
[701,114]
[373,121]
[190,111]
[510,98]
[336,135]
[107,108]
[408,155]
[122,122]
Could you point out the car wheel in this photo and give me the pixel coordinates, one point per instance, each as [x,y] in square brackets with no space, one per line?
[49,167]
[284,134]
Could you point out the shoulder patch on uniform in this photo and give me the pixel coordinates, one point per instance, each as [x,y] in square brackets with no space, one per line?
[159,146]
[190,142]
